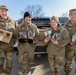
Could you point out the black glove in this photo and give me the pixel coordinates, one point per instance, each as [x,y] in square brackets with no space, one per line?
[22,40]
[30,40]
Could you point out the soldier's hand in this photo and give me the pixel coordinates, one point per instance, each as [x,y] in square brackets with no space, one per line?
[30,40]
[22,40]
[46,40]
[54,41]
[72,43]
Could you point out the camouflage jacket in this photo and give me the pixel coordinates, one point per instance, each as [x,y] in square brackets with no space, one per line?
[63,39]
[31,29]
[71,28]
[8,25]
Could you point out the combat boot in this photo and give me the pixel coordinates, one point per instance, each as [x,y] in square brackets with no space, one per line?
[25,74]
[29,73]
[67,73]
[6,74]
[1,73]
[20,73]
[52,73]
[75,69]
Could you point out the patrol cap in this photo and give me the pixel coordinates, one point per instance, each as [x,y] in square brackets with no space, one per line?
[26,14]
[3,7]
[56,19]
[72,11]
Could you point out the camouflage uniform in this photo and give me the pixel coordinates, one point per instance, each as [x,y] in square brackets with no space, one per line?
[70,50]
[75,56]
[6,49]
[26,50]
[56,52]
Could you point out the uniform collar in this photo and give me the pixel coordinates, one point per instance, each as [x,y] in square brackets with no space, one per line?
[58,28]
[72,23]
[27,24]
[7,20]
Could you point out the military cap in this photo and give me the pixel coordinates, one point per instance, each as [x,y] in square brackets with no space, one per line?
[72,11]
[26,14]
[3,7]
[56,19]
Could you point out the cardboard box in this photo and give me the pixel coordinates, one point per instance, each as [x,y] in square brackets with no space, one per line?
[5,36]
[42,37]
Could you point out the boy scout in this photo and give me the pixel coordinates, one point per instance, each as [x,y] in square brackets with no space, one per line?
[71,47]
[28,35]
[6,49]
[57,40]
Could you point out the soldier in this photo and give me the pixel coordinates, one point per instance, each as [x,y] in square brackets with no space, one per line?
[57,40]
[6,49]
[28,35]
[71,47]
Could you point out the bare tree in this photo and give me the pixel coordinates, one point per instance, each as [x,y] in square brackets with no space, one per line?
[34,10]
[64,14]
